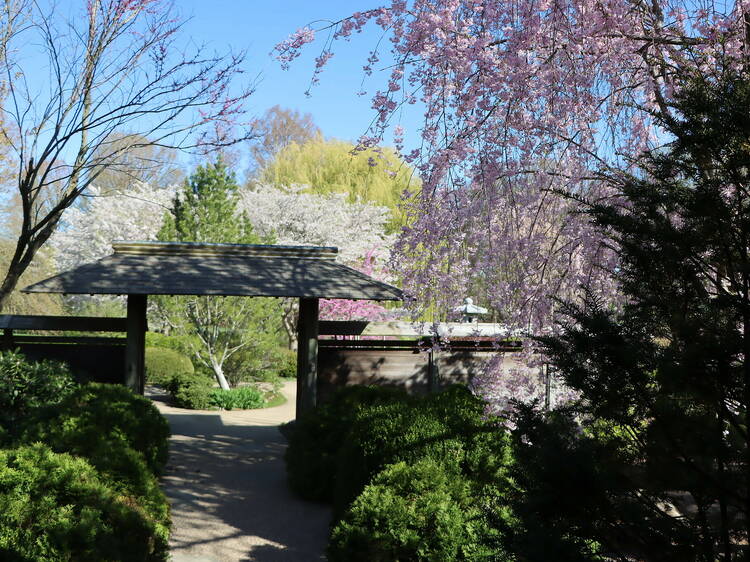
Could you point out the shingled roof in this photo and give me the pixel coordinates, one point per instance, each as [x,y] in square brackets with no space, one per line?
[252,270]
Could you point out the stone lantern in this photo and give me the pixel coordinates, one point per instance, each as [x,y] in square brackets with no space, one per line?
[469,311]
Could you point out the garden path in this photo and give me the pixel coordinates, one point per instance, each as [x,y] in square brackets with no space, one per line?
[226,483]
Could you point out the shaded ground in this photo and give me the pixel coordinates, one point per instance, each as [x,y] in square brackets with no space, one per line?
[227,486]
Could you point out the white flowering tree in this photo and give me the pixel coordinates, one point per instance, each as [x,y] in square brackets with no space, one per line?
[86,233]
[357,229]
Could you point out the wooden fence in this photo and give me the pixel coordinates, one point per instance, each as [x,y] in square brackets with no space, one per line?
[101,359]
[397,354]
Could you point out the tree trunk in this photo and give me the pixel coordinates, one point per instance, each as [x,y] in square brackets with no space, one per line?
[219,373]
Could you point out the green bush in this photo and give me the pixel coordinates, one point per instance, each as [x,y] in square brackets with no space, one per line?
[56,507]
[162,363]
[388,433]
[287,366]
[316,436]
[420,511]
[448,427]
[191,391]
[242,398]
[98,411]
[109,452]
[25,385]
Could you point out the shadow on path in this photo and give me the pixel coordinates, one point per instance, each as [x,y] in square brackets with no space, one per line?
[226,483]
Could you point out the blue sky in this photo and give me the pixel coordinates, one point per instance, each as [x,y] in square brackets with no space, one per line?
[257,26]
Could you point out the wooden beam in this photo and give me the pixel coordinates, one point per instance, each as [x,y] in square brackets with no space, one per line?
[136,344]
[307,355]
[62,323]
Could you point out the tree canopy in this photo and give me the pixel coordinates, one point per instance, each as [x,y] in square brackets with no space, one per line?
[376,175]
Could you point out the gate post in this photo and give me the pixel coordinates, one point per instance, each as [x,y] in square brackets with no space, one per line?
[135,348]
[307,355]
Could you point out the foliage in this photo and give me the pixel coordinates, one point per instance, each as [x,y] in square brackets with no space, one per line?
[419,511]
[317,435]
[206,210]
[56,507]
[118,68]
[515,103]
[258,361]
[110,452]
[388,433]
[669,370]
[109,409]
[287,366]
[26,385]
[242,398]
[192,391]
[87,233]
[376,175]
[162,363]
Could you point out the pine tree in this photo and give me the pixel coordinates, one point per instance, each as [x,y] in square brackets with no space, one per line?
[661,468]
[207,211]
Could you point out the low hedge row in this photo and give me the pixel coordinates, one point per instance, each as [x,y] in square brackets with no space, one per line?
[78,473]
[409,478]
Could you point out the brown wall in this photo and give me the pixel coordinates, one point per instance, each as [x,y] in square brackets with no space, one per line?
[403,368]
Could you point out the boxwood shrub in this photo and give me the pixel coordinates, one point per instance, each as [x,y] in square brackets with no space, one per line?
[192,391]
[420,511]
[57,507]
[316,436]
[162,363]
[104,411]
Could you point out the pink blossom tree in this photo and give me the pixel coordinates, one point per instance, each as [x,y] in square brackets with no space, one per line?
[521,101]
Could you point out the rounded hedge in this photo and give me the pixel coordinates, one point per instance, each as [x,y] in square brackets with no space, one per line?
[317,435]
[56,507]
[161,363]
[420,511]
[107,411]
[192,391]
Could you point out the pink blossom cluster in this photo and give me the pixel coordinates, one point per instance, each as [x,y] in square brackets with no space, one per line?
[522,100]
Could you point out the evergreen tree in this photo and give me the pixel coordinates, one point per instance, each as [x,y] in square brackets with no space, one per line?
[207,211]
[653,462]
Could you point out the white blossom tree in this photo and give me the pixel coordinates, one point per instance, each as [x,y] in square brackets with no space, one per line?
[86,234]
[357,229]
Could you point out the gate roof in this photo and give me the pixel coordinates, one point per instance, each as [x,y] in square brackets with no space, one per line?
[252,270]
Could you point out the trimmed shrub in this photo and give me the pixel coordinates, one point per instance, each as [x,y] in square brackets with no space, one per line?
[423,511]
[25,385]
[448,427]
[191,391]
[242,398]
[109,412]
[108,451]
[287,364]
[56,507]
[316,436]
[388,433]
[162,363]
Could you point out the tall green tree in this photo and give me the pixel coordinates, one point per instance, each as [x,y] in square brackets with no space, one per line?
[206,211]
[375,175]
[661,469]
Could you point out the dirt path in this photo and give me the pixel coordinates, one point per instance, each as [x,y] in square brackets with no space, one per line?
[226,483]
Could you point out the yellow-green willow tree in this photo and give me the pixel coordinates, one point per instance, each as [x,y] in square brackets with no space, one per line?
[375,175]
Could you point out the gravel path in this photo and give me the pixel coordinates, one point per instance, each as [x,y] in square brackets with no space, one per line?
[226,483]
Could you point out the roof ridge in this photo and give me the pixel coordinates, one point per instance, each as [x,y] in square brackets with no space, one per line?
[213,249]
